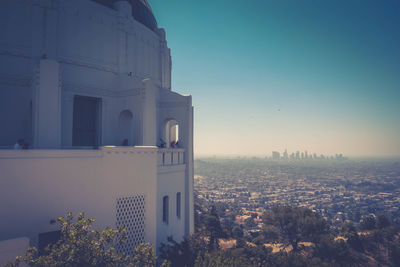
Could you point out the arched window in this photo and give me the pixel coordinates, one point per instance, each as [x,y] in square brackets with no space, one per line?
[178,205]
[171,133]
[125,128]
[165,209]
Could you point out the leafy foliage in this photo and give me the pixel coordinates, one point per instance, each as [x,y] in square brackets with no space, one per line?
[333,251]
[186,252]
[368,223]
[220,259]
[382,221]
[213,229]
[290,225]
[296,224]
[349,231]
[237,232]
[81,245]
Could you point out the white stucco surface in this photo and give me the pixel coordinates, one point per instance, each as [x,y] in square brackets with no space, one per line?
[78,79]
[10,249]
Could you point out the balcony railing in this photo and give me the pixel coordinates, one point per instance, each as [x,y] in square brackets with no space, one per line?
[171,156]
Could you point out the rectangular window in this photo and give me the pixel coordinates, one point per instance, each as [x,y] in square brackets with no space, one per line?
[165,209]
[86,121]
[178,205]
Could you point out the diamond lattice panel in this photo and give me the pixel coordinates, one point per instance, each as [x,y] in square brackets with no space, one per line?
[131,215]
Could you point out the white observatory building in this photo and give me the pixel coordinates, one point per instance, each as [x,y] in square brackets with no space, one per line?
[88,122]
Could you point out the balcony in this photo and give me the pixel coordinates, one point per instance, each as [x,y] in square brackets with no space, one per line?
[171,156]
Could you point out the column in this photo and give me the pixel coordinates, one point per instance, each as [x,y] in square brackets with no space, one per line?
[46,105]
[149,113]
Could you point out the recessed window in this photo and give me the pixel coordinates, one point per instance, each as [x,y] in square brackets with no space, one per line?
[171,134]
[165,209]
[86,128]
[178,205]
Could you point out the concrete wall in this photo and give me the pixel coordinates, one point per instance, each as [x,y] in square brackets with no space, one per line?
[41,185]
[179,108]
[10,249]
[171,180]
[16,27]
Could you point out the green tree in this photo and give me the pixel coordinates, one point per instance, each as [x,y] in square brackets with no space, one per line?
[249,223]
[258,255]
[382,221]
[333,251]
[144,256]
[296,224]
[185,252]
[368,223]
[81,245]
[349,231]
[270,233]
[220,259]
[213,229]
[394,252]
[237,232]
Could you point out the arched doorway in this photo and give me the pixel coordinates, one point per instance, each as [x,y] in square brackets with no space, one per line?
[171,134]
[125,128]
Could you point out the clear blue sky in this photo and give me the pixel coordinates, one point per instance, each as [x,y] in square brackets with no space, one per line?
[322,76]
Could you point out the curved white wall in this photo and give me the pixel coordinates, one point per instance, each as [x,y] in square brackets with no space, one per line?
[101,53]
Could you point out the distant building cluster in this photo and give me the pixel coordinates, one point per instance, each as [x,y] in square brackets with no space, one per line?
[337,190]
[304,156]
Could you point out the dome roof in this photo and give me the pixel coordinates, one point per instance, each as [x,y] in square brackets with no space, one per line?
[141,11]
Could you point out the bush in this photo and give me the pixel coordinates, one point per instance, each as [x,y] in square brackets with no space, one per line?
[81,245]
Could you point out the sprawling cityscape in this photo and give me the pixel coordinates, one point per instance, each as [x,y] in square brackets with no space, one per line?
[338,189]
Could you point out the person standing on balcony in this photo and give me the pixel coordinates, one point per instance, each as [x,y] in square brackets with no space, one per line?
[173,143]
[162,143]
[20,144]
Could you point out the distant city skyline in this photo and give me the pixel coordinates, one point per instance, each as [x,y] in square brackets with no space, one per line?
[303,155]
[321,76]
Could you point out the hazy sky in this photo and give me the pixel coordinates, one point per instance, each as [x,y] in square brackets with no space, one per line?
[322,76]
